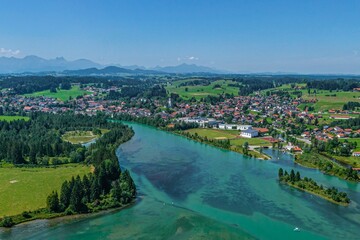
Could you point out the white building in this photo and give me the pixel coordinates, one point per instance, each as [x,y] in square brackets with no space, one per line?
[249,133]
[234,127]
[199,120]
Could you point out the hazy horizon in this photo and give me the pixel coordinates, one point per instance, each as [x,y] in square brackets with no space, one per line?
[307,37]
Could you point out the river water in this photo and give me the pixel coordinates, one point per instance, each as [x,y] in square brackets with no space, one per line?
[189,190]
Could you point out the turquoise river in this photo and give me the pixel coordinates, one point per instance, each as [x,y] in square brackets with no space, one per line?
[189,190]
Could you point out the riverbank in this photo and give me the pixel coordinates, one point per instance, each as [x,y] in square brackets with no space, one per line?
[222,144]
[320,162]
[316,194]
[44,214]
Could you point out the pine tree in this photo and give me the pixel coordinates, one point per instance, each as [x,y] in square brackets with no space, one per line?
[292,175]
[95,189]
[65,195]
[52,202]
[76,197]
[281,173]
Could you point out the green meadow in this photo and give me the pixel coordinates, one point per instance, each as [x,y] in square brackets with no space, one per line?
[62,95]
[214,133]
[326,100]
[13,118]
[79,137]
[25,189]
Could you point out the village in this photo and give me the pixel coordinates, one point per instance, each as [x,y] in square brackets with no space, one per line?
[271,118]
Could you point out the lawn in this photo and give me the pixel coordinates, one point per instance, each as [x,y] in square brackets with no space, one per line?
[24,189]
[251,141]
[200,91]
[214,133]
[76,137]
[13,118]
[62,95]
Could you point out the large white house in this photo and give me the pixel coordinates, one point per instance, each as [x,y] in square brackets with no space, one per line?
[234,127]
[249,133]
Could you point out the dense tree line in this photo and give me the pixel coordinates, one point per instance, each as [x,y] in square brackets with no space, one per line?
[353,123]
[30,84]
[196,82]
[351,105]
[337,84]
[151,121]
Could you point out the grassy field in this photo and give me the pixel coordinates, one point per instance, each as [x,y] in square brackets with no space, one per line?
[200,91]
[235,142]
[13,118]
[251,141]
[326,100]
[62,95]
[76,137]
[214,133]
[24,189]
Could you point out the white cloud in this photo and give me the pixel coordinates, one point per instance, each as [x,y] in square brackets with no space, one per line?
[9,52]
[356,52]
[188,58]
[193,58]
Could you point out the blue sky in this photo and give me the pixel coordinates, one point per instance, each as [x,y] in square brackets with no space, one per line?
[307,36]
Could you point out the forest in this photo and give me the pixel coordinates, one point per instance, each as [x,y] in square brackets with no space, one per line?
[26,144]
[337,84]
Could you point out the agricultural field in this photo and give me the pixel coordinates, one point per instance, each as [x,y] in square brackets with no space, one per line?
[24,189]
[13,118]
[326,100]
[200,91]
[62,95]
[214,133]
[331,100]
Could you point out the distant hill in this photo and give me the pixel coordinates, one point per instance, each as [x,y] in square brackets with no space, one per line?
[37,64]
[34,64]
[111,70]
[188,68]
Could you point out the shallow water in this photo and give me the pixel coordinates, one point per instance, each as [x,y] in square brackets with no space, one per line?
[188,190]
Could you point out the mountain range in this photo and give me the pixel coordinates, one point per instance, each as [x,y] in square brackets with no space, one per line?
[35,64]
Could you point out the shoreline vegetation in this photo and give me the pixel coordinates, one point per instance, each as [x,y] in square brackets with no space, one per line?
[327,166]
[308,185]
[104,188]
[44,214]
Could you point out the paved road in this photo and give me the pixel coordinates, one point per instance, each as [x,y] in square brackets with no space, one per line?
[307,141]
